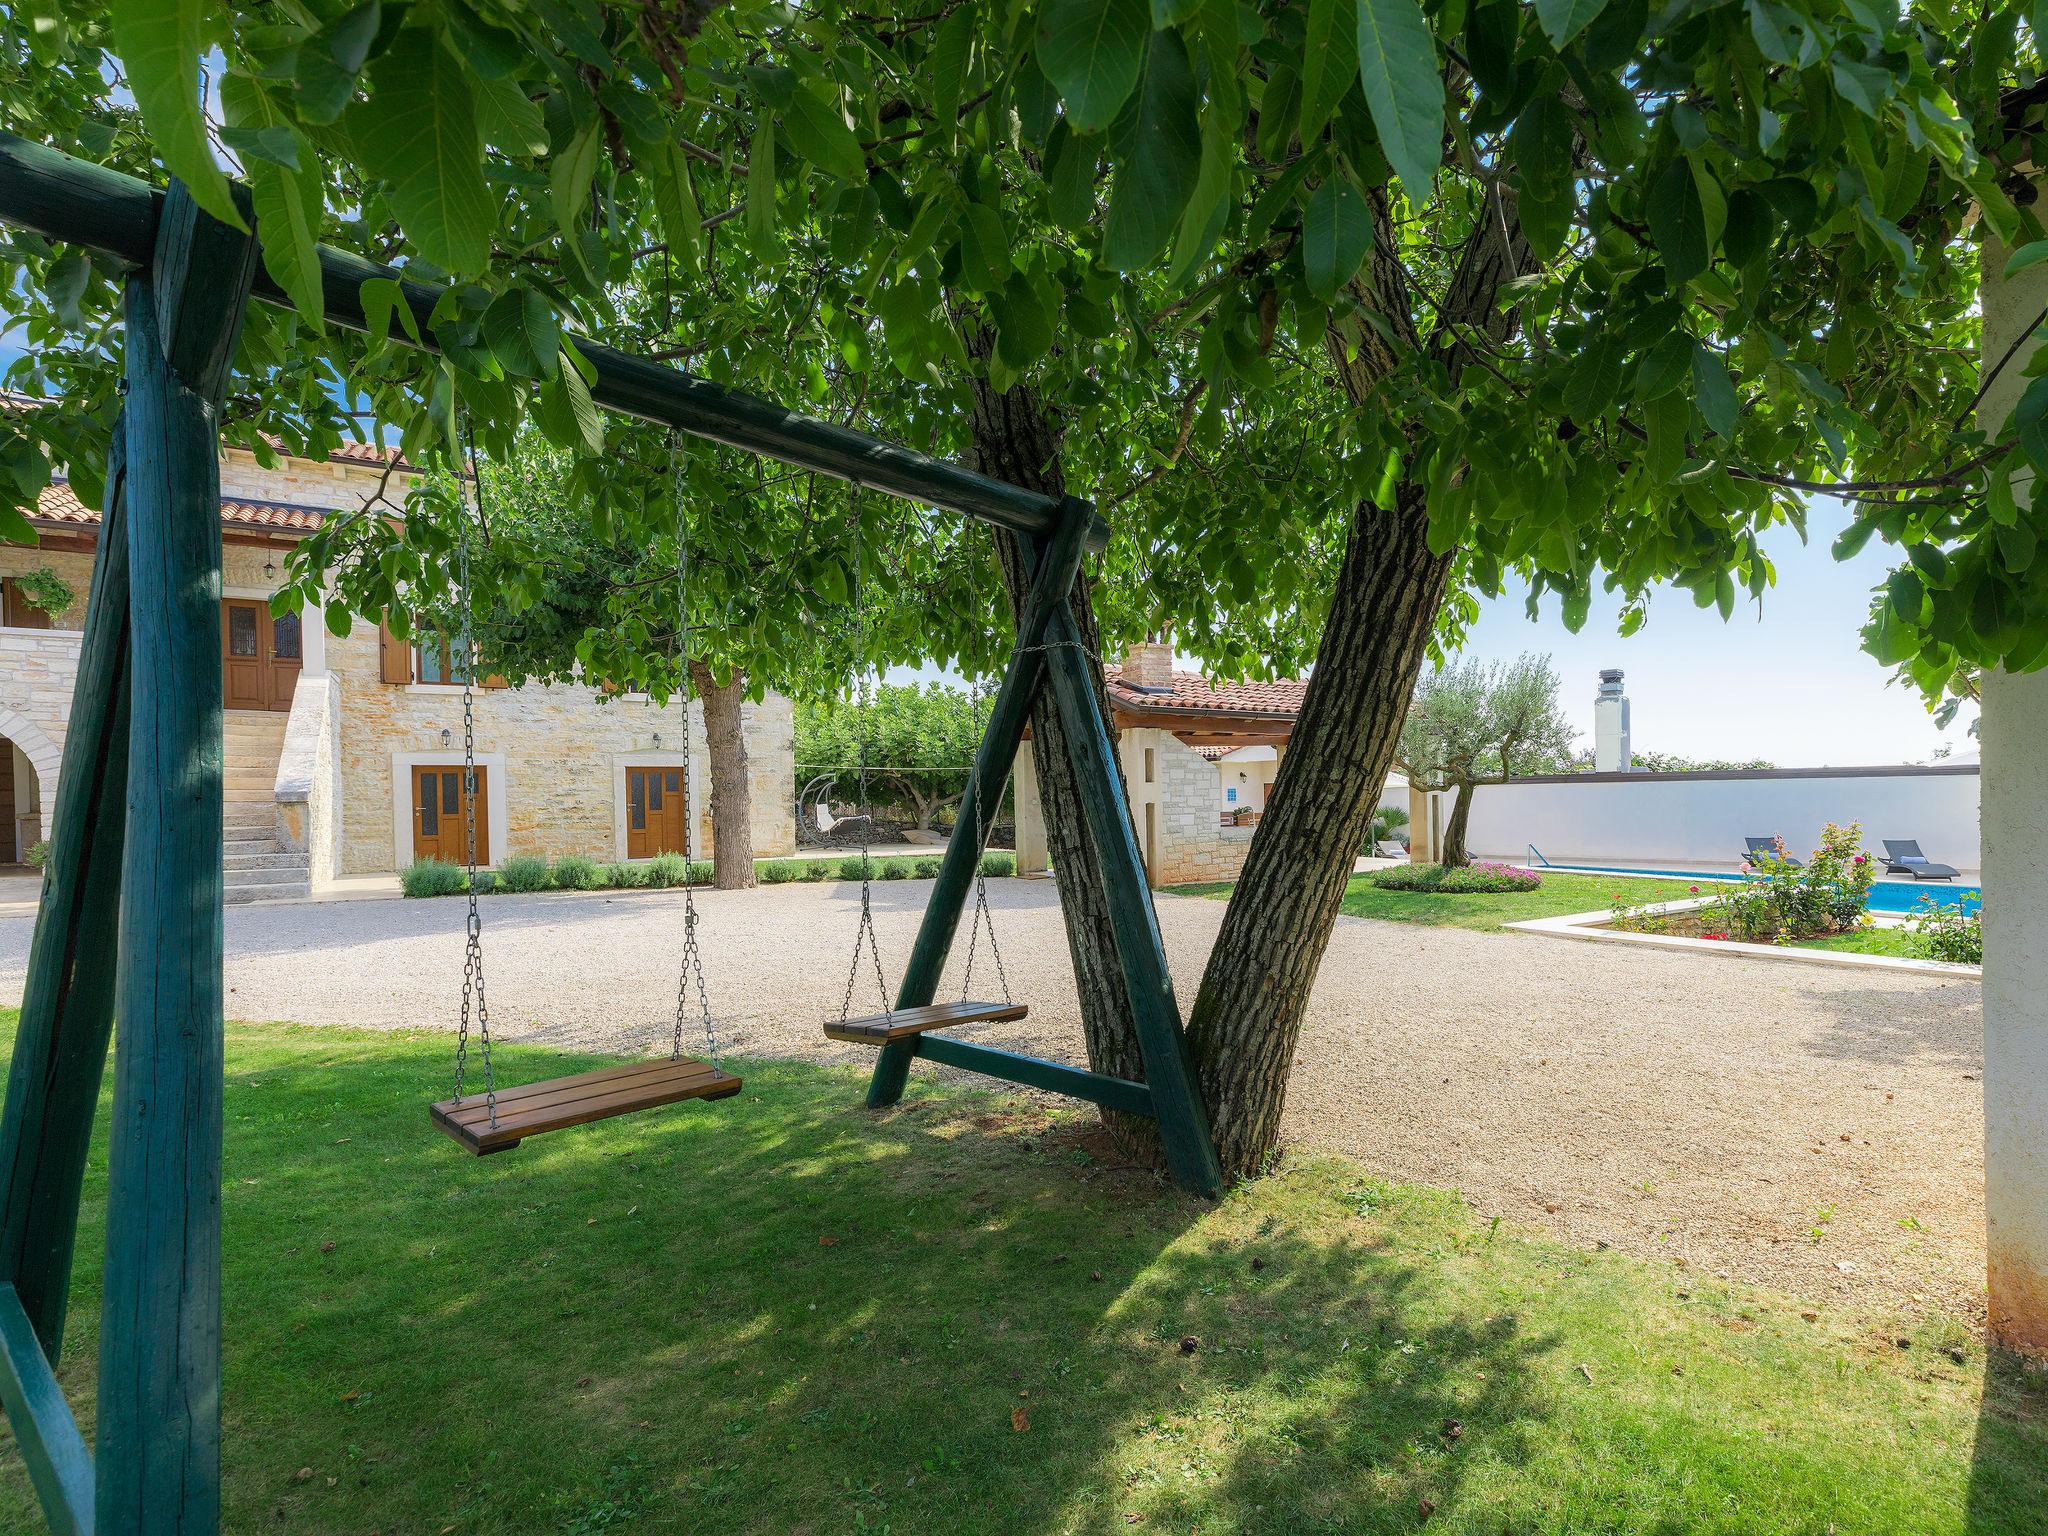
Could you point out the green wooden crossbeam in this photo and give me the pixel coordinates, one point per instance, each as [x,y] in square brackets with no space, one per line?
[1035,1072]
[59,1465]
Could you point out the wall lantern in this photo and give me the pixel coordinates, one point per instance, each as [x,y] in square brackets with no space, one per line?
[657,741]
[446,736]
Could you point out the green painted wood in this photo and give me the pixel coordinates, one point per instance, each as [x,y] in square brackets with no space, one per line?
[67,1003]
[64,198]
[158,1468]
[45,1433]
[1034,1072]
[1059,561]
[1177,1105]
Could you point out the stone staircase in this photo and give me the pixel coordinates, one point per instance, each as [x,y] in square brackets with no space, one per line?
[255,865]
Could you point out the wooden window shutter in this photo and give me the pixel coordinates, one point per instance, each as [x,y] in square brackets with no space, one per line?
[394,656]
[495,680]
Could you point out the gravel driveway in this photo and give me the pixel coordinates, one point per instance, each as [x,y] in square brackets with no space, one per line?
[1819,1129]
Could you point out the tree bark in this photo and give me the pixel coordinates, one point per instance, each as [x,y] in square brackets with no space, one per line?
[1016,440]
[1247,1017]
[732,810]
[1454,853]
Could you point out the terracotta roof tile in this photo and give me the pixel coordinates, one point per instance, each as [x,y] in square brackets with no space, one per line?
[1192,691]
[57,504]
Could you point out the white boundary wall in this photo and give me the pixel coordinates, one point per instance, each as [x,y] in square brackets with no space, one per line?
[1688,818]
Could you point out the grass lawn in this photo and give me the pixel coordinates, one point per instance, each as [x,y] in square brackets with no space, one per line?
[782,1314]
[1873,941]
[1558,895]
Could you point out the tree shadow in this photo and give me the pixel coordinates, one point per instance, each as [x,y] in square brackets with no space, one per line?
[1942,1025]
[943,1317]
[2008,1494]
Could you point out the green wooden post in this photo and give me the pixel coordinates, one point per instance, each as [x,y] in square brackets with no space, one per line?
[67,1003]
[1059,561]
[158,1461]
[1169,1071]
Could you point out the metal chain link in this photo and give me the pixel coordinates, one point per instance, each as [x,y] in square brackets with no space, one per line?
[473,952]
[983,824]
[692,964]
[863,696]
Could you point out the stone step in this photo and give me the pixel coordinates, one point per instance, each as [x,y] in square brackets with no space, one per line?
[258,859]
[249,832]
[284,890]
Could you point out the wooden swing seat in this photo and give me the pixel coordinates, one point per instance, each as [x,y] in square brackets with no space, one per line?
[881,1028]
[557,1103]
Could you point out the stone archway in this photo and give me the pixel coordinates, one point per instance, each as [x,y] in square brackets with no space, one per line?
[44,758]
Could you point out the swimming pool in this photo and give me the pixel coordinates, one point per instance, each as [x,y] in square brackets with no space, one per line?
[1889,896]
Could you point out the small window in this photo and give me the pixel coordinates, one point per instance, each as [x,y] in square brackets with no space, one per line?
[1150,766]
[638,811]
[241,631]
[430,811]
[285,641]
[438,663]
[654,793]
[451,794]
[675,782]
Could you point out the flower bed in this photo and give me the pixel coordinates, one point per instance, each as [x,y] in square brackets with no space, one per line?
[1481,879]
[1782,901]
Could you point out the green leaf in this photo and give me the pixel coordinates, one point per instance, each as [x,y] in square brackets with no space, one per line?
[1714,391]
[1327,62]
[1071,178]
[2032,254]
[1905,592]
[1849,543]
[565,410]
[946,71]
[418,133]
[984,249]
[1564,20]
[523,333]
[1403,86]
[1171,13]
[1595,382]
[1664,365]
[1678,224]
[276,143]
[675,199]
[570,174]
[1336,233]
[509,120]
[2017,545]
[1724,594]
[288,202]
[1158,145]
[1202,225]
[1023,324]
[159,42]
[1092,50]
[761,189]
[819,132]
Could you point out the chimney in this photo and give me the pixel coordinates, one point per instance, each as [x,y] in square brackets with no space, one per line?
[1149,665]
[1611,749]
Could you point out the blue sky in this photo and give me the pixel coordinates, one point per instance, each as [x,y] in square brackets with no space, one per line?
[1787,682]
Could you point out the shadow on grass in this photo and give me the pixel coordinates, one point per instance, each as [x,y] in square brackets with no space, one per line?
[2008,1493]
[782,1313]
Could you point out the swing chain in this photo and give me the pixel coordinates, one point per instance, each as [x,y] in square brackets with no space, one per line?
[692,966]
[863,699]
[983,824]
[473,954]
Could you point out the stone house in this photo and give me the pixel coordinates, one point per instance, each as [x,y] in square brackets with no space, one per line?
[343,753]
[1198,758]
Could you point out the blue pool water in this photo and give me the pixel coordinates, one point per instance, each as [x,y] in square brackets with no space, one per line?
[1891,896]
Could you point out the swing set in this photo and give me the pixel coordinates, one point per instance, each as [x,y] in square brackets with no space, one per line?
[136,847]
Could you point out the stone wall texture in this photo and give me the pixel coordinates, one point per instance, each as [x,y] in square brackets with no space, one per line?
[1174,803]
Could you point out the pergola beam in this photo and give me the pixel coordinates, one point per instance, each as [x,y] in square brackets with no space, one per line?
[64,198]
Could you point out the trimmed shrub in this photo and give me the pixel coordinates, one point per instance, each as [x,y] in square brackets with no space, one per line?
[853,867]
[524,872]
[574,872]
[893,869]
[778,871]
[665,869]
[700,872]
[622,877]
[486,882]
[995,865]
[430,877]
[927,869]
[1460,880]
[821,869]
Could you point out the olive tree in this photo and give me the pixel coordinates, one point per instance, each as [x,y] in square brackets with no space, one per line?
[1474,722]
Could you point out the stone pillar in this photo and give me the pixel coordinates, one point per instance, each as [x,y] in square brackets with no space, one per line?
[1422,842]
[2014,821]
[1031,857]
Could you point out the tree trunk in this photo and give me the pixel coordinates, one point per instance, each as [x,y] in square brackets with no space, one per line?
[1247,1017]
[1454,853]
[1015,441]
[732,815]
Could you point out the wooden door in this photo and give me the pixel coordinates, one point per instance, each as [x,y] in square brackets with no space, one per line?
[242,664]
[656,812]
[438,827]
[260,656]
[287,657]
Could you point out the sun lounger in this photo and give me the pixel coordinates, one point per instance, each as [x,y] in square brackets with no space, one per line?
[1902,856]
[1755,848]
